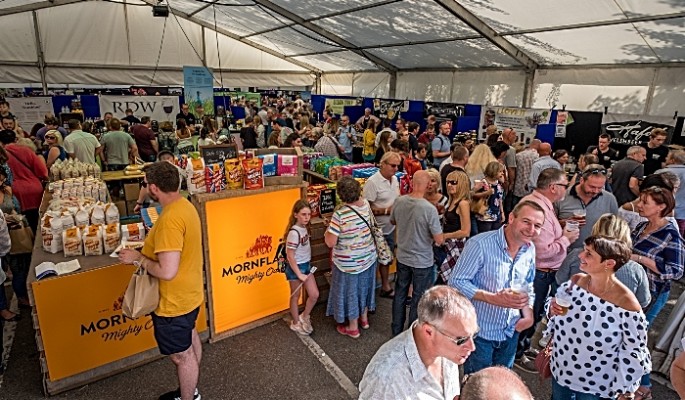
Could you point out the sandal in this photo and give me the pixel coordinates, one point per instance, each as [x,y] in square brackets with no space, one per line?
[387,294]
[643,394]
[342,329]
[364,324]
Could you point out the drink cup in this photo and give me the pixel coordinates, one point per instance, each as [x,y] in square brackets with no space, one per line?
[519,287]
[563,300]
[579,214]
[572,225]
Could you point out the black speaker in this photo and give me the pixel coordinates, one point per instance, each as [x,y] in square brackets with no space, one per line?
[160,11]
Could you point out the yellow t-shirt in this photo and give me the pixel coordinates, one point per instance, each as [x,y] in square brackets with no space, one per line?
[369,143]
[178,229]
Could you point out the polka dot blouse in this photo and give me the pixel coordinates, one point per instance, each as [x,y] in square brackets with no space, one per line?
[599,348]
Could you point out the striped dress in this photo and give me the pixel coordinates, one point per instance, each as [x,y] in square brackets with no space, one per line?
[355,250]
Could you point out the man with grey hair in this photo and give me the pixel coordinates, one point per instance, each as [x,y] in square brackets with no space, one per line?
[550,249]
[364,119]
[543,162]
[495,383]
[626,175]
[423,362]
[675,163]
[418,227]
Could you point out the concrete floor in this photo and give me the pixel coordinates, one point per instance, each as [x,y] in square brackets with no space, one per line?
[269,362]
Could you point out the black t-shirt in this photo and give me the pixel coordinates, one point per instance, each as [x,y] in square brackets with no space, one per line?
[190,118]
[249,136]
[606,158]
[413,144]
[655,158]
[620,178]
[131,119]
[446,170]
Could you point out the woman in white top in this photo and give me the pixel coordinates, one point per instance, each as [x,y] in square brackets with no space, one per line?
[259,128]
[599,348]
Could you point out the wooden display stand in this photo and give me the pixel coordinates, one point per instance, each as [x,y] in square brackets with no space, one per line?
[241,233]
[81,333]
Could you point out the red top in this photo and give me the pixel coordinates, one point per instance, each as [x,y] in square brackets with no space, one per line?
[28,171]
[143,136]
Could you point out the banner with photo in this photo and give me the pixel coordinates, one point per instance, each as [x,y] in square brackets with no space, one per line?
[443,111]
[389,109]
[159,108]
[523,120]
[249,97]
[338,105]
[630,130]
[30,110]
[198,90]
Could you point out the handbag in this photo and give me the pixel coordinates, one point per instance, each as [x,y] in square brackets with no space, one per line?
[21,234]
[142,294]
[542,361]
[384,251]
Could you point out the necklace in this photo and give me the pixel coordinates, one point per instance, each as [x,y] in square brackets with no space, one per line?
[589,284]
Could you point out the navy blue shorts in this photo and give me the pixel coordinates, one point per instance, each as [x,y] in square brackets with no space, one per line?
[290,274]
[174,334]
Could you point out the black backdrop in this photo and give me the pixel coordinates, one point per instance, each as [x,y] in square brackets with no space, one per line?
[583,132]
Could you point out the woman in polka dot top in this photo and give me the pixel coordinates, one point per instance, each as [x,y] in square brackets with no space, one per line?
[600,340]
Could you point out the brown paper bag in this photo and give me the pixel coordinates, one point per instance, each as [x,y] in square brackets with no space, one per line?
[20,234]
[142,295]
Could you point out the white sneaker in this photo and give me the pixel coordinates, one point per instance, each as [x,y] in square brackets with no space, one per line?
[306,324]
[297,327]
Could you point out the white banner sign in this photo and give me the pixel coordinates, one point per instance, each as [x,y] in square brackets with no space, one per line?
[523,120]
[30,110]
[159,108]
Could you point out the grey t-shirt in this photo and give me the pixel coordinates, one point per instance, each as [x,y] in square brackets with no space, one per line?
[620,179]
[603,203]
[417,221]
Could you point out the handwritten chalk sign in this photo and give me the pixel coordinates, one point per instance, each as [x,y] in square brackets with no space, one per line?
[327,201]
[218,153]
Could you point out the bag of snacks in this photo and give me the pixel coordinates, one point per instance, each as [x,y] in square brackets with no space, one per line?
[133,232]
[111,213]
[215,178]
[112,237]
[97,214]
[269,164]
[51,232]
[196,175]
[253,173]
[71,240]
[233,170]
[92,240]
[82,218]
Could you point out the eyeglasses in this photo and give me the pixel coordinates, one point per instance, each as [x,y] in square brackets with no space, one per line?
[459,341]
[655,189]
[143,184]
[564,185]
[393,165]
[452,182]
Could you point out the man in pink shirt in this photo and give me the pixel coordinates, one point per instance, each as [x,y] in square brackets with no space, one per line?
[550,251]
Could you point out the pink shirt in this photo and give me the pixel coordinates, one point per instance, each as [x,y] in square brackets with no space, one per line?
[551,244]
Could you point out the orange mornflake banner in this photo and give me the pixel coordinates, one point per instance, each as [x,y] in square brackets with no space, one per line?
[81,324]
[243,234]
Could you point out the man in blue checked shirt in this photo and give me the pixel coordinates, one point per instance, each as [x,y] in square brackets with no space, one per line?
[496,272]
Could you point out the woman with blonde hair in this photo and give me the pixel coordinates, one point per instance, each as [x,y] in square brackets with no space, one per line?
[478,160]
[55,151]
[259,129]
[493,188]
[457,221]
[434,192]
[631,274]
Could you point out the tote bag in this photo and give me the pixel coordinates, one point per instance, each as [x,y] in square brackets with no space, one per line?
[142,294]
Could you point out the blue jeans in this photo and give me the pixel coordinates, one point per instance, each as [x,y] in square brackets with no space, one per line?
[658,303]
[422,279]
[544,285]
[489,353]
[563,393]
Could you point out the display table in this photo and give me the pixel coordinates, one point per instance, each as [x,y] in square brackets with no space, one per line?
[241,233]
[81,333]
[315,177]
[109,176]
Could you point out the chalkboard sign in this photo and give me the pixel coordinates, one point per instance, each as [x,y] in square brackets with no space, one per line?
[327,201]
[218,153]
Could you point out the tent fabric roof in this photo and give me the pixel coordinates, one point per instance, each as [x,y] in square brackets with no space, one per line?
[402,35]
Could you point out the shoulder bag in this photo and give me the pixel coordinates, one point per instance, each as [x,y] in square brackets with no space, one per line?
[20,233]
[384,251]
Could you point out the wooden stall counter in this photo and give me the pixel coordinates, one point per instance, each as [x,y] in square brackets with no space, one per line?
[241,233]
[81,333]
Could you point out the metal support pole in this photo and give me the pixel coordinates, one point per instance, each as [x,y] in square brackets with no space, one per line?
[528,88]
[39,53]
[650,92]
[317,83]
[392,91]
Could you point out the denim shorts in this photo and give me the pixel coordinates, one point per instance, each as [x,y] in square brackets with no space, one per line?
[290,274]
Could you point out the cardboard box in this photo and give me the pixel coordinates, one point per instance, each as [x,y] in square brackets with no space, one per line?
[131,191]
[121,206]
[130,207]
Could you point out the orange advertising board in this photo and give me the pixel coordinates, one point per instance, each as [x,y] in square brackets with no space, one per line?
[81,323]
[243,234]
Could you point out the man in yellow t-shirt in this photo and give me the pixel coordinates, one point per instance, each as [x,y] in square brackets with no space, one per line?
[173,253]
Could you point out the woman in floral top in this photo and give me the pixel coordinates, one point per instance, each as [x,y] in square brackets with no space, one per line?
[493,217]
